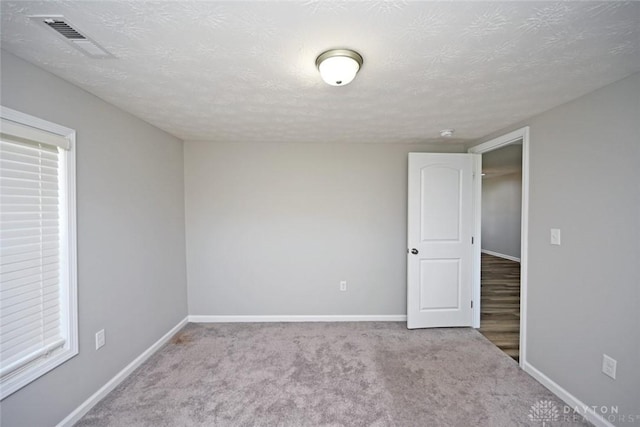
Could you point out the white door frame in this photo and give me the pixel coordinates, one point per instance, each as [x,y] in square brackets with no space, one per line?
[501,141]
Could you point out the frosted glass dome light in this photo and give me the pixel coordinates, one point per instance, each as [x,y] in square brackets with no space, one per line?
[339,67]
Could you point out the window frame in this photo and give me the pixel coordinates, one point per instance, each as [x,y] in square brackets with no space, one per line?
[68,249]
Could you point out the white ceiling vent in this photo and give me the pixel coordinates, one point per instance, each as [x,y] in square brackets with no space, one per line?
[72,35]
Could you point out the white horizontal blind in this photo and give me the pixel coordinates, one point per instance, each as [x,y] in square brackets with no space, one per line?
[30,231]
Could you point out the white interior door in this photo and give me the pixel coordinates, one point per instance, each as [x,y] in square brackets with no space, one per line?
[440,227]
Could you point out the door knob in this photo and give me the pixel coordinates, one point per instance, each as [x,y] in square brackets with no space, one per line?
[414,251]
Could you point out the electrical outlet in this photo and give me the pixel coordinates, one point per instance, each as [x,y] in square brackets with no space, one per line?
[609,365]
[343,285]
[555,236]
[99,338]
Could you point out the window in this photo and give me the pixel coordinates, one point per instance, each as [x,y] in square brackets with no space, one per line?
[38,292]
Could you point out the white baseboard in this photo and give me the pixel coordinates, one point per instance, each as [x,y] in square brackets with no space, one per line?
[81,410]
[299,318]
[581,408]
[499,255]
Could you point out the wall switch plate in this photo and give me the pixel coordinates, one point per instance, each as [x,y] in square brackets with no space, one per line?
[609,365]
[99,338]
[555,236]
[343,285]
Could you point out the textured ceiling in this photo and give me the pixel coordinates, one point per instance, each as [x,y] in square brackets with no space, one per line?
[245,71]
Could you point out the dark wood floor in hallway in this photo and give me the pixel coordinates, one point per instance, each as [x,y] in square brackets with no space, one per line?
[500,298]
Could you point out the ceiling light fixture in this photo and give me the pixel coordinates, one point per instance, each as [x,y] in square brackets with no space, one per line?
[447,133]
[339,67]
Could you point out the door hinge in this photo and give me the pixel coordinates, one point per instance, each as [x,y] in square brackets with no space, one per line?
[471,304]
[472,240]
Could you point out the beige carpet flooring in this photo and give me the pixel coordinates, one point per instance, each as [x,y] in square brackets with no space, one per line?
[326,374]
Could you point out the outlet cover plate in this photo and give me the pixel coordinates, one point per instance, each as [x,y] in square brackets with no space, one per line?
[99,338]
[609,365]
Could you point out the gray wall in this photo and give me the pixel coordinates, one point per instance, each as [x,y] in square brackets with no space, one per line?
[501,212]
[584,296]
[273,228]
[131,259]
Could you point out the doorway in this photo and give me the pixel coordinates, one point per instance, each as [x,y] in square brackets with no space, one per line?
[500,257]
[500,246]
